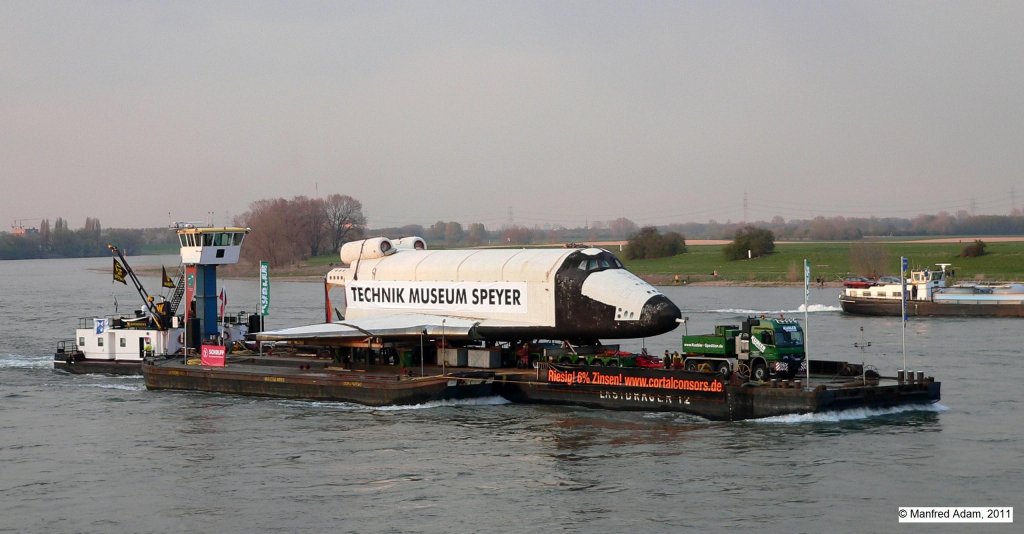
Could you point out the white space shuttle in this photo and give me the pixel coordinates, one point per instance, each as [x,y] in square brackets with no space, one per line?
[396,289]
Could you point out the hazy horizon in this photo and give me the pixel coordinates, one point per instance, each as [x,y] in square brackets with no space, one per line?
[532,113]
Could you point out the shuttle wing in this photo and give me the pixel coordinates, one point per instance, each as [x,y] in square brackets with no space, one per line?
[391,326]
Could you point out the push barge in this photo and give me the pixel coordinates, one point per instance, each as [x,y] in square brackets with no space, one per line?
[117,344]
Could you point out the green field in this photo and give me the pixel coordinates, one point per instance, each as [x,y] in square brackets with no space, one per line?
[831,261]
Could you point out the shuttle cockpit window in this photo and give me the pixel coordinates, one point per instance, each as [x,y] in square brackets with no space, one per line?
[600,263]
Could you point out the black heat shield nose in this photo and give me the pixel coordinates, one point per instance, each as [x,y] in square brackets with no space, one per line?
[659,315]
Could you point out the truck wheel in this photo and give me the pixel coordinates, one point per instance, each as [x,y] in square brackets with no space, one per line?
[724,369]
[760,372]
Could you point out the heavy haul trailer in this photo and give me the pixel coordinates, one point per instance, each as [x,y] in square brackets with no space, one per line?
[761,348]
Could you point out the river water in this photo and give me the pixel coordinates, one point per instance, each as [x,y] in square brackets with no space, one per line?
[102,454]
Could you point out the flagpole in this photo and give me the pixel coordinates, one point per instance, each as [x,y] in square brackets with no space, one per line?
[223,306]
[807,294]
[259,305]
[903,305]
[188,304]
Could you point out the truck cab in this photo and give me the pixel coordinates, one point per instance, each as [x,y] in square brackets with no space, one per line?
[760,348]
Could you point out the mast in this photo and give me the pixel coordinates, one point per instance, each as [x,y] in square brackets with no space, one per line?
[807,294]
[903,305]
[148,300]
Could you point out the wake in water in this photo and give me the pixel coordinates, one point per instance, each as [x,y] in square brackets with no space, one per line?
[813,308]
[122,387]
[854,414]
[18,361]
[352,407]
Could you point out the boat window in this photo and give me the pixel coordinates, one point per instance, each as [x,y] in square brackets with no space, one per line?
[183,239]
[207,240]
[81,342]
[123,342]
[191,240]
[238,239]
[99,342]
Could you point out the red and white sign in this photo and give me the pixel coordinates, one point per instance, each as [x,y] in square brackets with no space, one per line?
[213,355]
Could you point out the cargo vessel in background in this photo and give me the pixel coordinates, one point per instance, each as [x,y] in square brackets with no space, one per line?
[929,295]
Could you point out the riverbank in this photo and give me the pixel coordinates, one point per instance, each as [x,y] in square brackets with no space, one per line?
[704,263]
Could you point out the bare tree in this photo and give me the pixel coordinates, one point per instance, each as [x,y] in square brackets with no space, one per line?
[274,224]
[345,219]
[313,231]
[477,234]
[453,233]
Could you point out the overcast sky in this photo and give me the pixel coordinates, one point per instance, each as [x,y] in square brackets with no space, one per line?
[539,113]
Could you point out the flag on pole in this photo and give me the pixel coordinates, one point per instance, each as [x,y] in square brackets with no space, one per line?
[119,272]
[903,286]
[264,288]
[167,281]
[223,301]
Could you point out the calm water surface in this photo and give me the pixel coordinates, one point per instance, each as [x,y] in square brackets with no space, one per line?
[103,454]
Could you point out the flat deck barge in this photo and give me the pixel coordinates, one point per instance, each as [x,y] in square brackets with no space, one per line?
[709,395]
[704,394]
[314,379]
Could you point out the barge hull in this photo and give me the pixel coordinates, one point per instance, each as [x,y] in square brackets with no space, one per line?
[709,396]
[106,367]
[318,385]
[926,308]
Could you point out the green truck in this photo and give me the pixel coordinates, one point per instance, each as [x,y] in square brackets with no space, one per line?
[761,348]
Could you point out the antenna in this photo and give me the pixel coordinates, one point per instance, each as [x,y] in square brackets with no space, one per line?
[863,344]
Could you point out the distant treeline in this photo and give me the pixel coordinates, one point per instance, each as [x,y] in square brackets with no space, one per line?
[59,241]
[288,231]
[849,229]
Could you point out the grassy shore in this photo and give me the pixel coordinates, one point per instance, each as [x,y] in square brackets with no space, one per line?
[829,260]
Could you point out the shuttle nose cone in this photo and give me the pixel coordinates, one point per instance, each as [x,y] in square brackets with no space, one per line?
[660,315]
